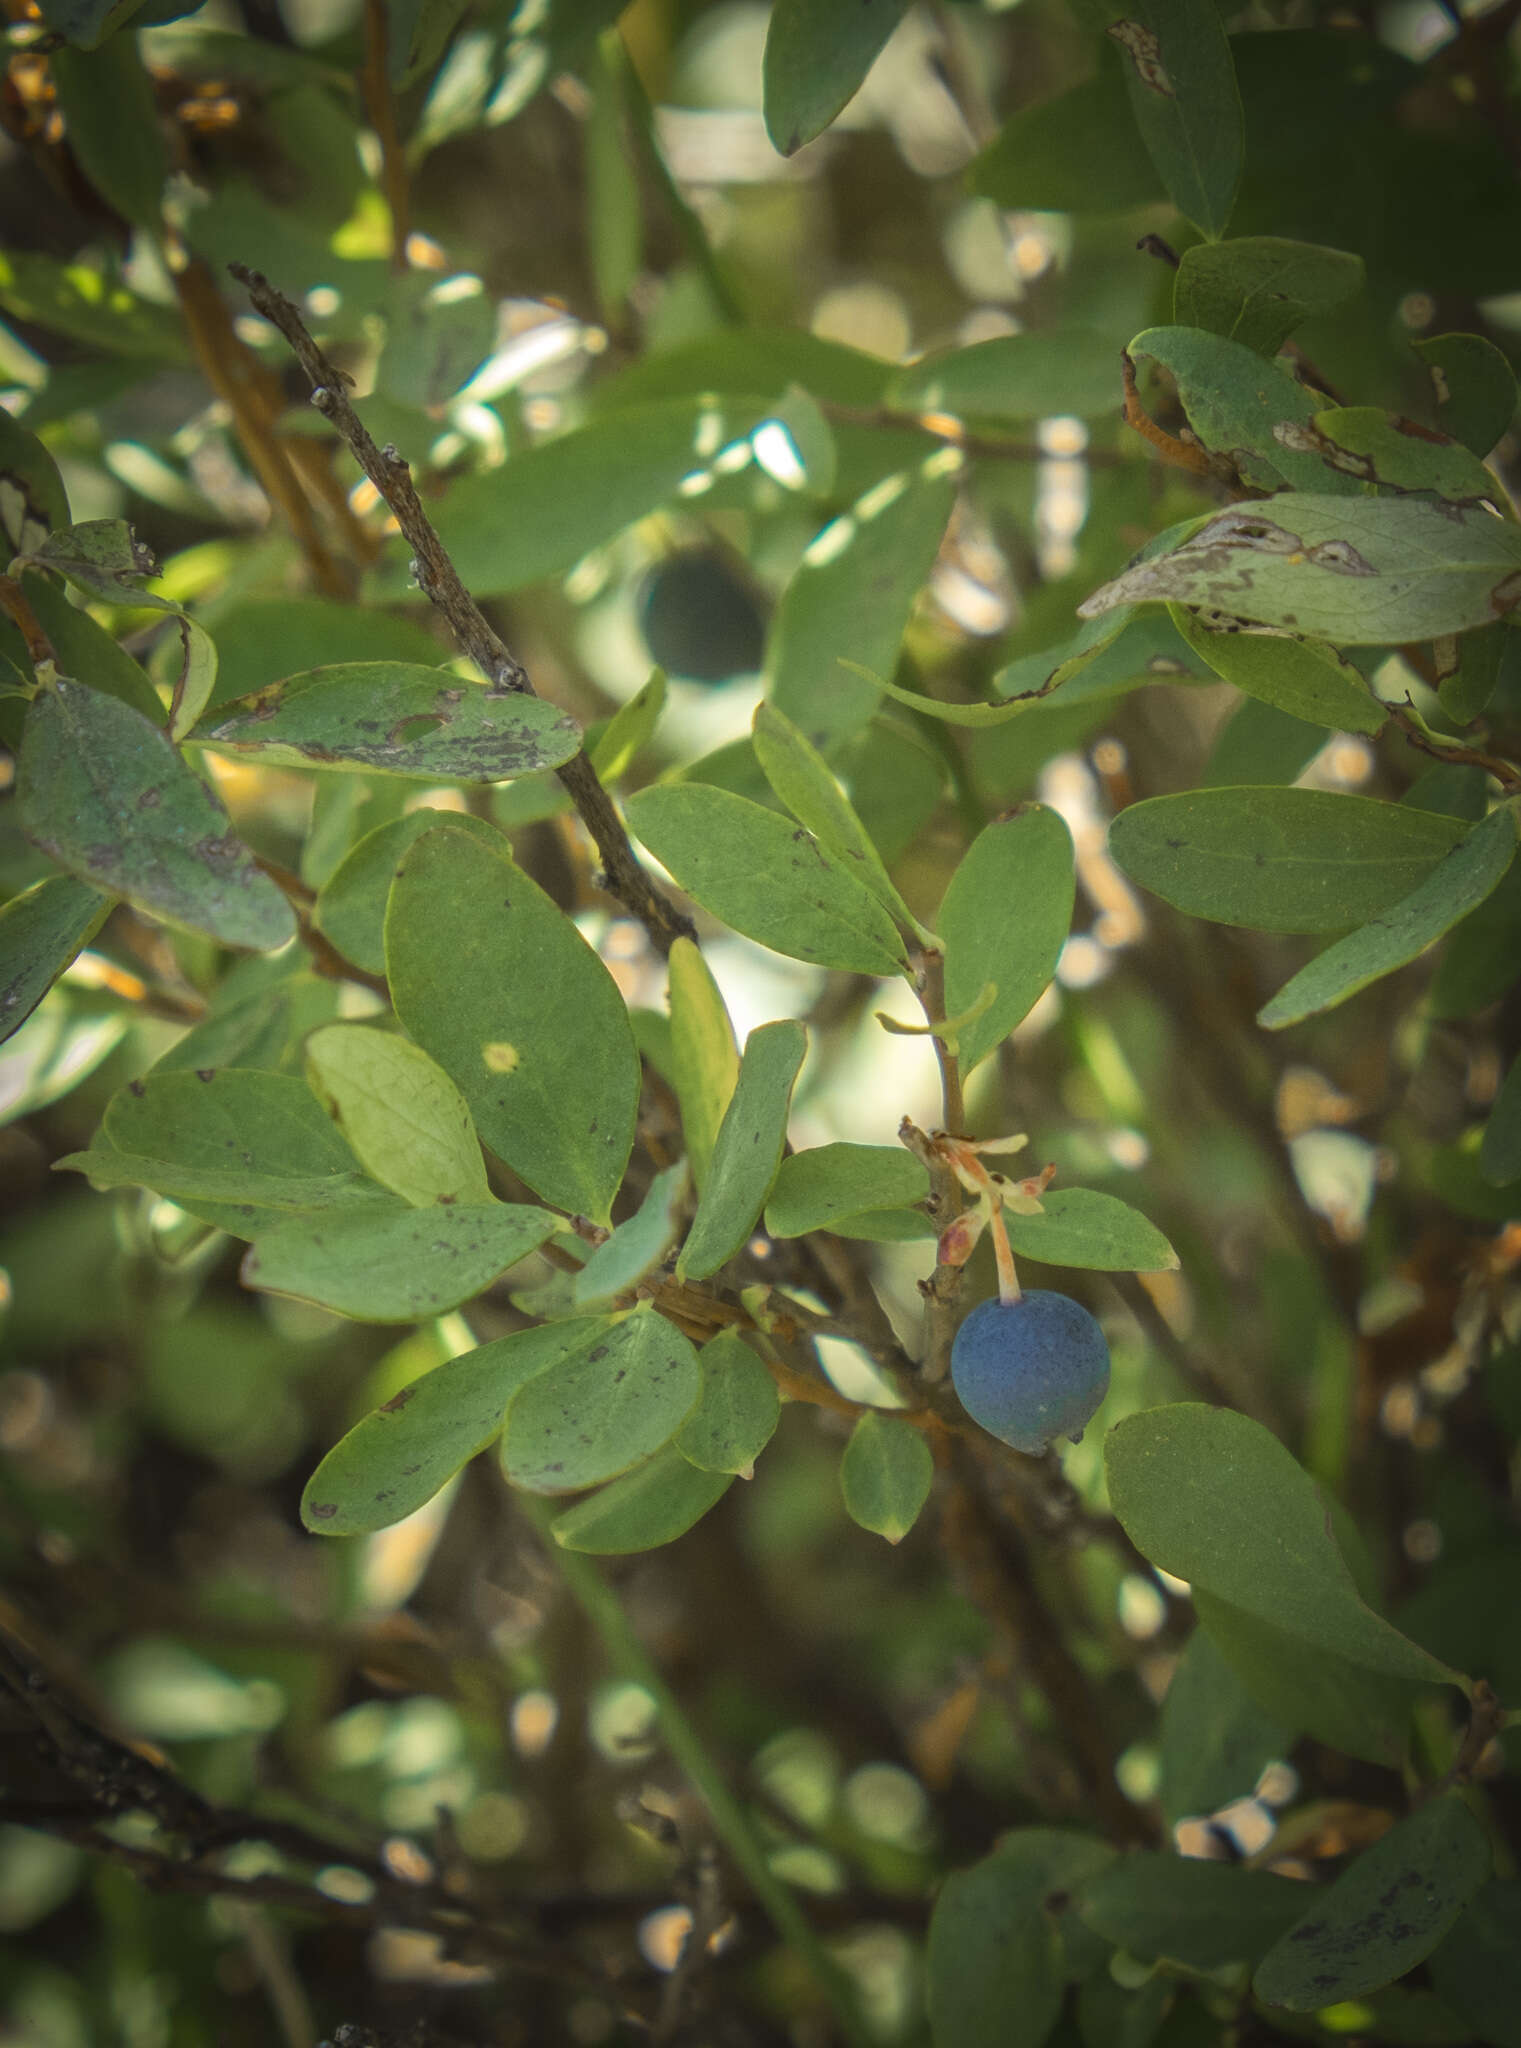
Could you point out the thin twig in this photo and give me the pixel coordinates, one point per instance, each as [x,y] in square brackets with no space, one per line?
[380,105]
[439,581]
[1405,717]
[942,1290]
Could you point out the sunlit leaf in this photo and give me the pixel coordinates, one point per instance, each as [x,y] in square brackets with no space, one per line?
[748,1149]
[406,1122]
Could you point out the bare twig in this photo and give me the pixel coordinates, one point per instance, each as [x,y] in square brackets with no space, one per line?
[1505,772]
[439,581]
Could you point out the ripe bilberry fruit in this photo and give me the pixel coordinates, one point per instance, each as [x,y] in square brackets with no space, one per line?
[1030,1369]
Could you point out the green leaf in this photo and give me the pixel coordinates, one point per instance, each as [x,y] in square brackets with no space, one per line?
[654,1504]
[418,31]
[1183,93]
[407,1123]
[1082,1227]
[438,333]
[76,301]
[1383,1915]
[615,1400]
[830,1187]
[499,986]
[1478,963]
[766,877]
[1077,153]
[1477,1968]
[1500,1153]
[1214,1498]
[1258,289]
[111,118]
[637,1244]
[704,1057]
[1203,1915]
[226,1135]
[746,362]
[1067,370]
[263,640]
[1005,919]
[105,793]
[1388,453]
[748,1150]
[391,718]
[1456,885]
[614,214]
[1361,572]
[1313,1689]
[1102,659]
[853,594]
[32,498]
[1258,744]
[995,1960]
[629,730]
[1280,860]
[399,1456]
[1235,402]
[736,1413]
[537,515]
[886,1475]
[41,931]
[351,904]
[804,782]
[1474,387]
[1475,668]
[394,1264]
[1216,1740]
[817,56]
[1304,678]
[86,23]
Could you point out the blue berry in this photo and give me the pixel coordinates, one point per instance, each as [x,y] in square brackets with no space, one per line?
[1031,1369]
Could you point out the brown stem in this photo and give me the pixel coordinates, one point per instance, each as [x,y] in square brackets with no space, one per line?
[942,1290]
[241,381]
[1505,772]
[380,105]
[1181,454]
[14,602]
[439,581]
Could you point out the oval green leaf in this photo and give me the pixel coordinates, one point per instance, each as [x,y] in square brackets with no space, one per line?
[394,1265]
[1201,1914]
[1216,1740]
[766,877]
[393,718]
[1280,860]
[637,1244]
[1459,883]
[41,932]
[351,905]
[1363,572]
[499,986]
[1259,289]
[1383,1915]
[995,1948]
[1005,919]
[407,1123]
[1304,678]
[654,1504]
[399,1456]
[748,1150]
[830,1184]
[815,61]
[1016,376]
[612,1402]
[1183,93]
[852,596]
[1474,387]
[885,1475]
[737,1411]
[804,782]
[1087,1228]
[1214,1498]
[106,794]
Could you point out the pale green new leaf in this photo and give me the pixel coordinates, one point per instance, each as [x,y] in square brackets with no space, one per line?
[704,1057]
[407,1123]
[748,1149]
